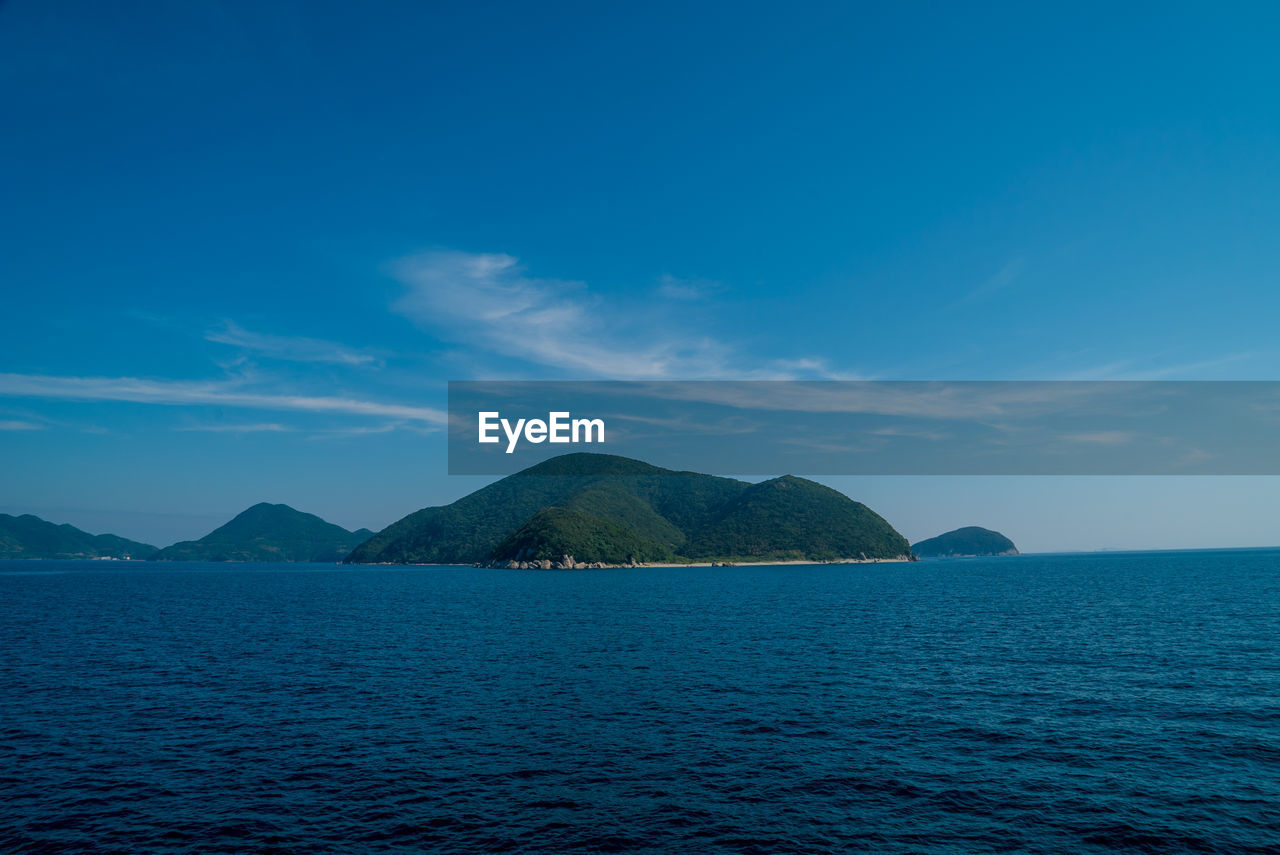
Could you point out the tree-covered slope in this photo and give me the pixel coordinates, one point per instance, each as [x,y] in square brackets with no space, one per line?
[661,504]
[268,532]
[970,540]
[553,533]
[591,505]
[29,536]
[792,518]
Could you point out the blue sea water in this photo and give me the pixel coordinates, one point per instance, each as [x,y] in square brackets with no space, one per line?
[1127,702]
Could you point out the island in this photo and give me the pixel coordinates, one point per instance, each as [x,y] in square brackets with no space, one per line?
[594,510]
[970,541]
[28,536]
[267,532]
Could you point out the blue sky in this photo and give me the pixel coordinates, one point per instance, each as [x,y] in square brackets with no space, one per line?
[244,245]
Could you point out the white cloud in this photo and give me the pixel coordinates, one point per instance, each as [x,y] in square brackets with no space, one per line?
[187,393]
[489,302]
[978,400]
[290,348]
[267,427]
[688,425]
[370,430]
[911,433]
[1100,437]
[1001,280]
[17,424]
[675,288]
[1131,369]
[809,367]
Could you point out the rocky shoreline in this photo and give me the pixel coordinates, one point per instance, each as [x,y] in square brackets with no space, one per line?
[567,562]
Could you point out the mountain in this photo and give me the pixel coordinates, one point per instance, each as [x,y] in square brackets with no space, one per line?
[267,532]
[967,541]
[29,536]
[790,518]
[604,508]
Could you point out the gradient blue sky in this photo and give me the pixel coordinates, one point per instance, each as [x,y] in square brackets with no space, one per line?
[243,245]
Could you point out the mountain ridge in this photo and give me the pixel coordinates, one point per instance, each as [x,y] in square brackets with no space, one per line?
[27,536]
[269,532]
[616,510]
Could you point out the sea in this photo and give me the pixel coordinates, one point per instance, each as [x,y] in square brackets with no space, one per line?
[1074,703]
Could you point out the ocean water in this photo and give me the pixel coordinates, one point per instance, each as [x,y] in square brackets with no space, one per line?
[1127,702]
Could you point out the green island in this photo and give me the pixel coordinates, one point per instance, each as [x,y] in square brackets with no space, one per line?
[28,536]
[583,510]
[970,541]
[573,511]
[268,532]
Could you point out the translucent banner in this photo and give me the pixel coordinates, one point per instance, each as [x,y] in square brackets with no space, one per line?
[874,427]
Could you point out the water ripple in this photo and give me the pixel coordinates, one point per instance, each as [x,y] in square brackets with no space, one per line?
[1053,704]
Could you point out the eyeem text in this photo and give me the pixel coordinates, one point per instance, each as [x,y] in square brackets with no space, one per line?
[558,427]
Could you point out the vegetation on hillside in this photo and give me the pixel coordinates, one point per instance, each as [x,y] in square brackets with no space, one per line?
[553,533]
[970,540]
[589,505]
[791,518]
[28,536]
[268,532]
[660,504]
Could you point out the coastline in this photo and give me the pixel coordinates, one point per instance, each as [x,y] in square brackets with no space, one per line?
[567,563]
[771,563]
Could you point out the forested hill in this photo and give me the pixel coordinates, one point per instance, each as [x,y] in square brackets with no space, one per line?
[29,536]
[268,532]
[968,541]
[604,508]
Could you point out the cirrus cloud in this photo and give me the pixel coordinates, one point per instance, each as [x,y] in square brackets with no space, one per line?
[225,393]
[489,302]
[290,348]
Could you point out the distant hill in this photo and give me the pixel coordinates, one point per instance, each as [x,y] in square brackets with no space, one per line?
[968,541]
[268,532]
[29,536]
[604,508]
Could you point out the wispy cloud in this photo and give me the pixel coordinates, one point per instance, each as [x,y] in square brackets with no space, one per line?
[675,288]
[810,367]
[689,425]
[1133,369]
[997,282]
[17,424]
[370,430]
[1100,437]
[948,400]
[187,393]
[290,348]
[489,302]
[267,427]
[828,445]
[911,433]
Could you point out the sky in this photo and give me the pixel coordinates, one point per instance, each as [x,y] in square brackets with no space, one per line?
[244,246]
